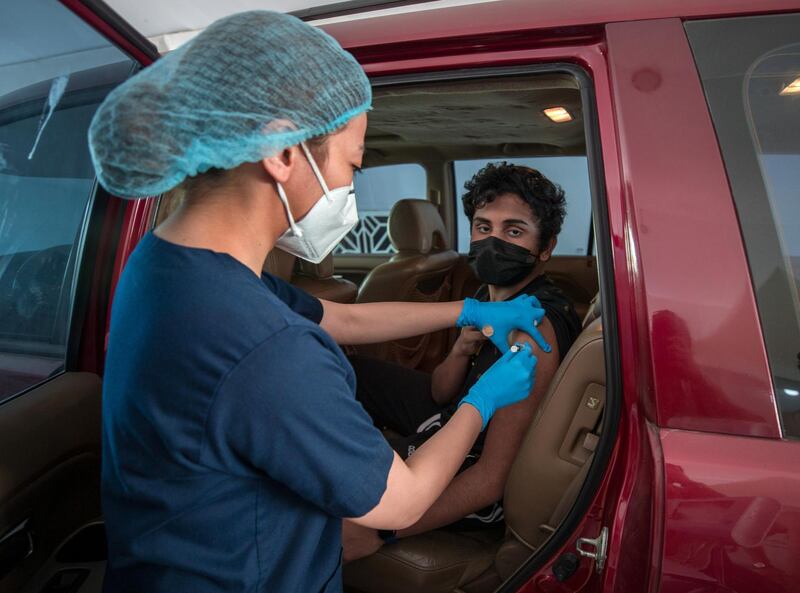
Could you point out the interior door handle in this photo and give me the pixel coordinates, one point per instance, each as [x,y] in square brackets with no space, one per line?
[15,547]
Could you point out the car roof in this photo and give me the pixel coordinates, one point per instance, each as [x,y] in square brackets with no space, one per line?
[358,23]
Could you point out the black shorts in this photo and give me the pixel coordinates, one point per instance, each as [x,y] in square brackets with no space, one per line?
[399,400]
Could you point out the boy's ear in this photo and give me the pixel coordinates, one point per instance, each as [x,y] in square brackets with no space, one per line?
[545,254]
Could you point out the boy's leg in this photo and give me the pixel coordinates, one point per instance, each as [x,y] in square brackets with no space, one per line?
[395,397]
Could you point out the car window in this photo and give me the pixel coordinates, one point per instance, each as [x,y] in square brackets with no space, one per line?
[377,190]
[571,173]
[54,72]
[753,91]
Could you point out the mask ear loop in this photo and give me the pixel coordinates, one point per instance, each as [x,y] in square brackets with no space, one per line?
[296,231]
[314,168]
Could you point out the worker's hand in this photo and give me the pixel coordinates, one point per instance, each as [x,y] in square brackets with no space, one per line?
[508,381]
[469,341]
[358,541]
[498,319]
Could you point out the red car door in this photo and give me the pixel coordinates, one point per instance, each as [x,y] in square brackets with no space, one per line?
[727,502]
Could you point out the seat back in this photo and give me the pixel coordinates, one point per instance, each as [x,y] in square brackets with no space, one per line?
[594,310]
[280,264]
[319,280]
[420,271]
[548,471]
[316,279]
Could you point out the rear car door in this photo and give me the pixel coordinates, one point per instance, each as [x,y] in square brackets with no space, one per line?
[707,119]
[54,72]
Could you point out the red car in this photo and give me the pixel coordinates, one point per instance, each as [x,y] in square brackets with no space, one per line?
[665,456]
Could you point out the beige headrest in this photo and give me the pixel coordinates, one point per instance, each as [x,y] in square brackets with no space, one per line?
[280,264]
[323,269]
[415,225]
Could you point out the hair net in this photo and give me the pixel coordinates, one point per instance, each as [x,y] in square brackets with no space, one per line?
[245,88]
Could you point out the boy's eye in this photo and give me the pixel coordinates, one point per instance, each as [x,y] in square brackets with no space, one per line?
[514,233]
[483,228]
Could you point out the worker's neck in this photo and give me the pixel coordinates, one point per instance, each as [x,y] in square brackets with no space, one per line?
[238,221]
[502,293]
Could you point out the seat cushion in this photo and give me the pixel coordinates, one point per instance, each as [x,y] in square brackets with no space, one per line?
[434,562]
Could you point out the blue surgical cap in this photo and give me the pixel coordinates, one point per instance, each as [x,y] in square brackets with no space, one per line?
[245,88]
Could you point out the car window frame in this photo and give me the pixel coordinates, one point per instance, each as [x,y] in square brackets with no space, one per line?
[75,293]
[602,231]
[762,243]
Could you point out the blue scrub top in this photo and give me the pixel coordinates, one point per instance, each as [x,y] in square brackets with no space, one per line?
[232,441]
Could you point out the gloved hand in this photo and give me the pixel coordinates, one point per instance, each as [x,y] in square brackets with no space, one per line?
[508,381]
[522,313]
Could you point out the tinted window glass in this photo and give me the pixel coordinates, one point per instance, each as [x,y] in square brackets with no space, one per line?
[753,91]
[377,190]
[54,72]
[571,173]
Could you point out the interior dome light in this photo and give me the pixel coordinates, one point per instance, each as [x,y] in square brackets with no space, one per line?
[558,114]
[793,88]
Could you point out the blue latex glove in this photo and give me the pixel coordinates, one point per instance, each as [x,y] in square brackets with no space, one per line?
[508,381]
[523,313]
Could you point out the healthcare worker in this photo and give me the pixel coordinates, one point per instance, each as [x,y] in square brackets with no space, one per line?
[232,441]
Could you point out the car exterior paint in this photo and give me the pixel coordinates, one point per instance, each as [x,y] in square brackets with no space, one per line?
[701,492]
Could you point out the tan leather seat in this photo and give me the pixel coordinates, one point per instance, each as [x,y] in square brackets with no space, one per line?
[463,284]
[420,271]
[280,264]
[552,462]
[593,312]
[319,280]
[543,484]
[316,279]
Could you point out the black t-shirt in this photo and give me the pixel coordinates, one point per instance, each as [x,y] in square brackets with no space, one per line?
[558,310]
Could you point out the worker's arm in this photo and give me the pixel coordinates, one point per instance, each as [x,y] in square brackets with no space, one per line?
[369,323]
[484,483]
[414,485]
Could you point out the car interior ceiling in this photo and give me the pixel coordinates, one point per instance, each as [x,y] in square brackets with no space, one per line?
[472,119]
[435,124]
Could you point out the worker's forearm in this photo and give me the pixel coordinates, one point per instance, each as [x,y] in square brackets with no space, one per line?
[469,492]
[369,323]
[436,462]
[414,486]
[448,377]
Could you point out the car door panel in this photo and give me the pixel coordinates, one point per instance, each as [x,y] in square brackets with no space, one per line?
[50,467]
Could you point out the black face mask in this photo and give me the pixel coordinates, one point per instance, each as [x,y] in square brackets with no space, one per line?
[499,262]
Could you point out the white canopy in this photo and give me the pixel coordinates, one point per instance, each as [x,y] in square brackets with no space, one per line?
[170,23]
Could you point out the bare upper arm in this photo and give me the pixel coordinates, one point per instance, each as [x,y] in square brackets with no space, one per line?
[388,513]
[508,426]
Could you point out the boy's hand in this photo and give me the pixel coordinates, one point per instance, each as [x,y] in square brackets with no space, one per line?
[469,341]
[500,318]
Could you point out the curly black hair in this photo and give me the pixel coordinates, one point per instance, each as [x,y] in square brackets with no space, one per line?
[545,198]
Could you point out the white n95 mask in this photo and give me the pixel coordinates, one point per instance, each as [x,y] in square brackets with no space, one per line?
[326,224]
